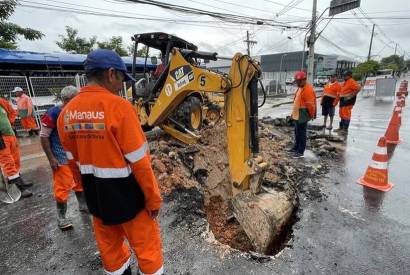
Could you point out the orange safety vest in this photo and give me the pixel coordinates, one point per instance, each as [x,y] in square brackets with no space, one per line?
[105,144]
[331,93]
[305,98]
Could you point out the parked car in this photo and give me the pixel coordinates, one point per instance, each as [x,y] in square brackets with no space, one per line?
[320,81]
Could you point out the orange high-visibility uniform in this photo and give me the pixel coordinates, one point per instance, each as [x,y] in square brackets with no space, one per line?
[348,93]
[331,93]
[11,113]
[305,98]
[10,158]
[25,109]
[106,146]
[64,182]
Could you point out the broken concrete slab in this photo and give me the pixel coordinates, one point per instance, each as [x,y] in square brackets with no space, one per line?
[263,216]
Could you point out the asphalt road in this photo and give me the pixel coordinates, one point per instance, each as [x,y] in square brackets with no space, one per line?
[354,231]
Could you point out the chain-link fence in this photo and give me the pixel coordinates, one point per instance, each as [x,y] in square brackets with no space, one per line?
[7,85]
[43,91]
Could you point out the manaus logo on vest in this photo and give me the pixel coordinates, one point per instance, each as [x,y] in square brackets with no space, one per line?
[76,115]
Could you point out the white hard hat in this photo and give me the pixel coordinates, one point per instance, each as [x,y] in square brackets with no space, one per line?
[17,89]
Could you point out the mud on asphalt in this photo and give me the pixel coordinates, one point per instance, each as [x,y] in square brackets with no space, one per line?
[193,179]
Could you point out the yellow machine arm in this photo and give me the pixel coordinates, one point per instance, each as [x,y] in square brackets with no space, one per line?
[240,89]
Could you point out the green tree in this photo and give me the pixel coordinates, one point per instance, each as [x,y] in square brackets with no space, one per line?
[394,62]
[141,52]
[10,32]
[407,64]
[114,43]
[366,68]
[70,42]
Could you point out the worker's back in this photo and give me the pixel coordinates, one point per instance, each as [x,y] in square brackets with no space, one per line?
[93,128]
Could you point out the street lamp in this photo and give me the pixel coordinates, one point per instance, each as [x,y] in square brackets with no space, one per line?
[280,71]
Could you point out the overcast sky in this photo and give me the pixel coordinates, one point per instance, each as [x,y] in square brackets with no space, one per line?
[351,36]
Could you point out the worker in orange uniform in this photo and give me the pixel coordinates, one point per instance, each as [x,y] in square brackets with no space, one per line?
[348,93]
[102,137]
[64,180]
[10,155]
[304,109]
[25,111]
[11,113]
[329,100]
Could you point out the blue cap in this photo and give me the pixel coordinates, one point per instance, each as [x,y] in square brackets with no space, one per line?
[105,59]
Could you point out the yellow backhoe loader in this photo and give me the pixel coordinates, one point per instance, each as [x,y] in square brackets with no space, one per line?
[181,77]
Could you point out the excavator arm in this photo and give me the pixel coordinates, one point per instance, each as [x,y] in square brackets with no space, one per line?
[262,213]
[240,89]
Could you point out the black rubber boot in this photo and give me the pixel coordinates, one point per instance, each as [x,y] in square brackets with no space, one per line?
[62,221]
[25,193]
[82,205]
[25,184]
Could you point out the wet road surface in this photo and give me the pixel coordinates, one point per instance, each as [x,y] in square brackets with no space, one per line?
[354,231]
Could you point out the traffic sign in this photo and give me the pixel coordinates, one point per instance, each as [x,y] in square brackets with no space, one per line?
[339,6]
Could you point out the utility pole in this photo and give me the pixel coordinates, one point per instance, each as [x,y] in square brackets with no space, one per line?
[312,38]
[395,49]
[371,42]
[249,43]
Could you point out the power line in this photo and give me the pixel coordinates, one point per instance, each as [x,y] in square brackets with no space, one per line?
[88,12]
[292,4]
[283,5]
[228,17]
[44,6]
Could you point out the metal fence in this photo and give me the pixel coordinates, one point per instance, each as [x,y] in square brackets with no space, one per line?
[43,91]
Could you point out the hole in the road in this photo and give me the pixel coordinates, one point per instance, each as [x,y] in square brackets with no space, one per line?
[227,229]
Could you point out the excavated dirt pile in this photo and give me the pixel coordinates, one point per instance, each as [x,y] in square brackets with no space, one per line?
[196,179]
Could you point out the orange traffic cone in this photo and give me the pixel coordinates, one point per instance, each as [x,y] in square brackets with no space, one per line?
[376,175]
[392,132]
[401,101]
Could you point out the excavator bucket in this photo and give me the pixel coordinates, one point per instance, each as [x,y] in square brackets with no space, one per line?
[262,213]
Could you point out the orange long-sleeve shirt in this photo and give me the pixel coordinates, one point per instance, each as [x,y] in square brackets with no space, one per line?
[305,98]
[350,88]
[331,90]
[105,144]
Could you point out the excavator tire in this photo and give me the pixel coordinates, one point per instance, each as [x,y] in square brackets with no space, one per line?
[191,112]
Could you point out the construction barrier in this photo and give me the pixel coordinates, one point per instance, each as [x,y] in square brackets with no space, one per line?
[369,87]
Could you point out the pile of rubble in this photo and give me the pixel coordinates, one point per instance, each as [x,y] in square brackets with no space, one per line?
[196,177]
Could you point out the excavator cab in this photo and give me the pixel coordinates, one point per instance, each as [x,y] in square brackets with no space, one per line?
[192,111]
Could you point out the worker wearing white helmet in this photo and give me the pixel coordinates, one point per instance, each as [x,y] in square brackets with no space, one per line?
[26,111]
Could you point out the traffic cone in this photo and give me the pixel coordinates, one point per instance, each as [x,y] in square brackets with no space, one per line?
[392,132]
[401,101]
[376,175]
